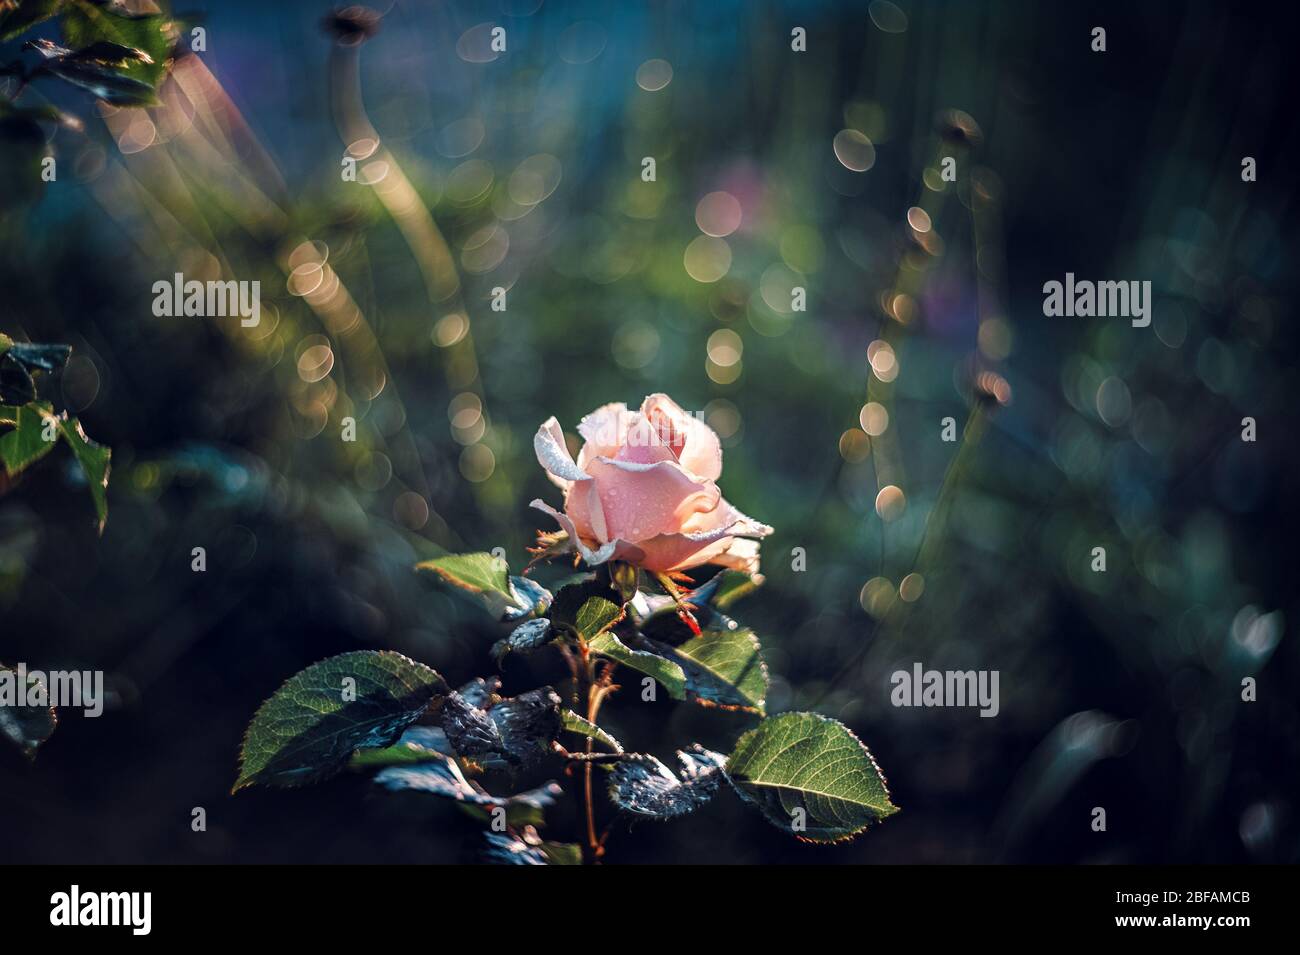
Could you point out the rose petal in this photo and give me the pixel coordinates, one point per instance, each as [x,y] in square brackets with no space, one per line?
[553,455]
[598,556]
[645,500]
[725,517]
[605,430]
[645,454]
[582,504]
[681,551]
[742,555]
[694,442]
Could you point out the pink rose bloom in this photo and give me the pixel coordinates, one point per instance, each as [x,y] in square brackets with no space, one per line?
[642,490]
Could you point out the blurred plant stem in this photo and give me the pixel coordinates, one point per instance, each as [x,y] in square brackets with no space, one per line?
[892,623]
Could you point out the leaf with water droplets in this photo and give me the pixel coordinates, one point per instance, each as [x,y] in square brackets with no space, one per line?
[507,733]
[508,848]
[722,667]
[530,598]
[38,357]
[443,777]
[644,786]
[309,728]
[525,638]
[810,776]
[668,673]
[29,725]
[576,724]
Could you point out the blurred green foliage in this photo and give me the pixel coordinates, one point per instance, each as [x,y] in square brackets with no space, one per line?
[1120,688]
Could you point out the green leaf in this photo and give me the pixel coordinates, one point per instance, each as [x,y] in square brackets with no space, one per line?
[309,728]
[562,853]
[102,78]
[26,726]
[664,623]
[732,585]
[643,786]
[16,384]
[479,573]
[665,671]
[23,446]
[596,616]
[583,727]
[803,761]
[421,761]
[18,16]
[587,608]
[107,53]
[86,23]
[94,460]
[723,668]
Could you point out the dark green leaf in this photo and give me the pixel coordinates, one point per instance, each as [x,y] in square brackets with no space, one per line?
[528,636]
[529,597]
[44,357]
[18,16]
[443,777]
[480,692]
[25,444]
[479,573]
[16,384]
[810,776]
[508,848]
[663,623]
[309,728]
[106,53]
[94,460]
[26,726]
[422,761]
[722,667]
[644,786]
[596,616]
[562,853]
[586,608]
[510,733]
[417,745]
[112,86]
[662,669]
[732,585]
[576,724]
[85,24]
